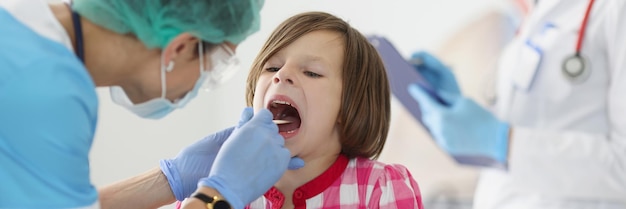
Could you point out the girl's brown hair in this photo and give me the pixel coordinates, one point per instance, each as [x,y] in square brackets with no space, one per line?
[365,103]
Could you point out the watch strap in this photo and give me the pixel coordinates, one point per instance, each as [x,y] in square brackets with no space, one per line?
[212,202]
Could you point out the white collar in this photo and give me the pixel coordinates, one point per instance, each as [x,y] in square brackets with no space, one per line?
[36,15]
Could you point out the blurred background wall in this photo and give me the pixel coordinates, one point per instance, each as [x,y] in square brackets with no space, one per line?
[467,35]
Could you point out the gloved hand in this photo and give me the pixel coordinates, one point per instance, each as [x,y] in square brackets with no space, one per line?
[462,127]
[437,74]
[250,161]
[194,162]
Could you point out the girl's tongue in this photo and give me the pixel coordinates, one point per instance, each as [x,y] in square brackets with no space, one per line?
[287,113]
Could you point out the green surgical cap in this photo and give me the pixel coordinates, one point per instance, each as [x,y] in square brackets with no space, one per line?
[157,22]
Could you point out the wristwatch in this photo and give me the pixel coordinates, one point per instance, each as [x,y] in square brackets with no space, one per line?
[214,202]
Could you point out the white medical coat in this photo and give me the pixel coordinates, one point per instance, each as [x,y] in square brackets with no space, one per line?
[568,145]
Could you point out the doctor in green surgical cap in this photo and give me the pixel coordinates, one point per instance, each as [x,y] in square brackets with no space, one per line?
[154,55]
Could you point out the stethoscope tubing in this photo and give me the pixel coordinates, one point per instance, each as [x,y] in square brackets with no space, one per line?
[575,67]
[583,28]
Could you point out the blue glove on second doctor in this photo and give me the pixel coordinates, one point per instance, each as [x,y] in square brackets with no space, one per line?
[195,161]
[460,127]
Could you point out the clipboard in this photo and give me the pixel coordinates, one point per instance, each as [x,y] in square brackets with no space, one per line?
[401,74]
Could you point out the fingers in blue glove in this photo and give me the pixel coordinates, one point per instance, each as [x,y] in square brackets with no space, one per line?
[436,73]
[295,163]
[192,163]
[464,128]
[427,100]
[427,65]
[246,115]
[428,59]
[265,117]
[250,161]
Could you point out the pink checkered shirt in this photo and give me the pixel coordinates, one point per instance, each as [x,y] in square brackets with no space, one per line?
[355,183]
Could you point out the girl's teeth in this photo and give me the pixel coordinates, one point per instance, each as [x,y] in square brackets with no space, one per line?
[281,102]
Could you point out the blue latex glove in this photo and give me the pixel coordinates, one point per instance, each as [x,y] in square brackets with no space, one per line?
[462,127]
[194,162]
[437,74]
[251,160]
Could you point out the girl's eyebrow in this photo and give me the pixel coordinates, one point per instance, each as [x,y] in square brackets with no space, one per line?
[313,58]
[303,59]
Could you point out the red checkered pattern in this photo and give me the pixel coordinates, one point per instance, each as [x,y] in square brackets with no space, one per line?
[363,184]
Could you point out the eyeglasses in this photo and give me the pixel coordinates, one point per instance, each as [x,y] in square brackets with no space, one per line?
[222,64]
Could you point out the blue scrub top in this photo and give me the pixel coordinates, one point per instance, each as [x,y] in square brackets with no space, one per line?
[48,115]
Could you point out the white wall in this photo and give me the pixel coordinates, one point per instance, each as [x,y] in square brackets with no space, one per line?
[126,145]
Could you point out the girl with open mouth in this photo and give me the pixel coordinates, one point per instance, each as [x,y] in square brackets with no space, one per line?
[328,91]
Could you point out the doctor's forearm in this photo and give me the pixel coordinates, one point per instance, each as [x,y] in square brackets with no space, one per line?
[148,190]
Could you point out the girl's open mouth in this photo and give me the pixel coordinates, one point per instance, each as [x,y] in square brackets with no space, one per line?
[288,116]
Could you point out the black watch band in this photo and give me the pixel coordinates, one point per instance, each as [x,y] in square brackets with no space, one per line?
[214,202]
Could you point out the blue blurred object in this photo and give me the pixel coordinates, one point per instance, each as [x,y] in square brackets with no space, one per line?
[401,73]
[464,129]
[429,90]
[437,75]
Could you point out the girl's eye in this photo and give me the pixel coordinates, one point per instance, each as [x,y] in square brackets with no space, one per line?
[272,69]
[312,74]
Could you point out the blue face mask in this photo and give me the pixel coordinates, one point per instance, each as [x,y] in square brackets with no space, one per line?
[155,108]
[159,107]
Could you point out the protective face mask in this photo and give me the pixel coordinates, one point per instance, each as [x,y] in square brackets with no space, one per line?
[155,108]
[159,107]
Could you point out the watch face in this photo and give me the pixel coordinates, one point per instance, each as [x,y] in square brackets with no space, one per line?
[221,204]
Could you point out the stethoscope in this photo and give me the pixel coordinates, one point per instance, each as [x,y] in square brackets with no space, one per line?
[575,67]
[78,34]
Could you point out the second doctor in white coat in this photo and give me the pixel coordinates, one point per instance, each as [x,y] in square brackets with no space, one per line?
[559,126]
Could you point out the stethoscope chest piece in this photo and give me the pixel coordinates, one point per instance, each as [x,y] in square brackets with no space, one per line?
[576,68]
